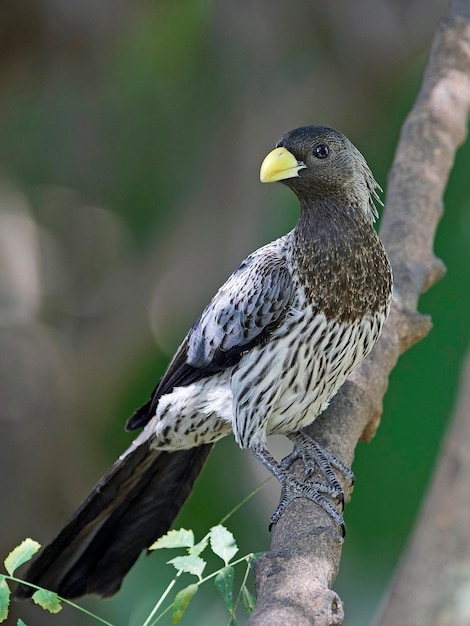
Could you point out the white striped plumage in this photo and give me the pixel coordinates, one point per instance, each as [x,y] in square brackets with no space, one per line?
[266,356]
[279,385]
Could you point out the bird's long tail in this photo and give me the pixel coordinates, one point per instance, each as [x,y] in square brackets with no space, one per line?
[133,504]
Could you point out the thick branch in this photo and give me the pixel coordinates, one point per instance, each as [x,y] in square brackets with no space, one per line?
[294,579]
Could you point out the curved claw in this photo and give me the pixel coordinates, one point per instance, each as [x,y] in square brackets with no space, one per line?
[342,500]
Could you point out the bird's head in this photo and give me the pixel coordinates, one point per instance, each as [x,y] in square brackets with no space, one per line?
[319,162]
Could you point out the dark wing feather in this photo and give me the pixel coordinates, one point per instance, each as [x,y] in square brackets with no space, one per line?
[242,314]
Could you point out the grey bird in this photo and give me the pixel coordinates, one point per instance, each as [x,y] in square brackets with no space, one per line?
[265,357]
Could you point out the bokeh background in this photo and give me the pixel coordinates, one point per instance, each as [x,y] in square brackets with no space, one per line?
[131,135]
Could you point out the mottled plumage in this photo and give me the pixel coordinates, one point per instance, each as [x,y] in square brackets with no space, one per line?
[265,357]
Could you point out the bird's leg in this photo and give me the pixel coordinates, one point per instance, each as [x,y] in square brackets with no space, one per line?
[293,488]
[291,458]
[314,456]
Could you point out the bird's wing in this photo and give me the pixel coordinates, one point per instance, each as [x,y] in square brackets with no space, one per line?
[242,314]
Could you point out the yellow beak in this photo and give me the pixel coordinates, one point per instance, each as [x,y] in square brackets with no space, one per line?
[279,165]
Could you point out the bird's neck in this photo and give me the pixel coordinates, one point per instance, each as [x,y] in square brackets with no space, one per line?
[340,261]
[331,223]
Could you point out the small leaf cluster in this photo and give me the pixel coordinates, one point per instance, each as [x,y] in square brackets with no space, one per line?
[222,544]
[48,600]
[219,539]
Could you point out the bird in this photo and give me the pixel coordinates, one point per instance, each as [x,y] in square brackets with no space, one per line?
[266,356]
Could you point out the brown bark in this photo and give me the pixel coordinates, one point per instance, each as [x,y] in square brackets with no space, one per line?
[295,577]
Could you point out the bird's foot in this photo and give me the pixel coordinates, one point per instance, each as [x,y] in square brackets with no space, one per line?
[293,488]
[291,458]
[316,457]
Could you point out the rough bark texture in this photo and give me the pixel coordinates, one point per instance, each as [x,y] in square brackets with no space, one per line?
[294,578]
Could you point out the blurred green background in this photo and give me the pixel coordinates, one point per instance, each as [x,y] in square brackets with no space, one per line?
[131,137]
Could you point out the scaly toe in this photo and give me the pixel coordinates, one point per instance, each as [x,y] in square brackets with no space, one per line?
[316,492]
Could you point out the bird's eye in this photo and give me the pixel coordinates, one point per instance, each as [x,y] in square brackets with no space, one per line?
[321,151]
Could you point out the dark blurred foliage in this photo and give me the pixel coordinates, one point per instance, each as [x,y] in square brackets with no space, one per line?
[131,136]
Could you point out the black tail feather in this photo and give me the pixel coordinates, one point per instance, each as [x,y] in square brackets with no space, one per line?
[133,504]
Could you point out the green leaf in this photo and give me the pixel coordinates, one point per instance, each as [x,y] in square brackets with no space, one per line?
[180,604]
[4,598]
[190,564]
[199,547]
[21,554]
[223,543]
[224,583]
[181,538]
[47,600]
[248,599]
[20,622]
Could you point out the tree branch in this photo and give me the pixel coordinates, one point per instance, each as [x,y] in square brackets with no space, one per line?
[294,578]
